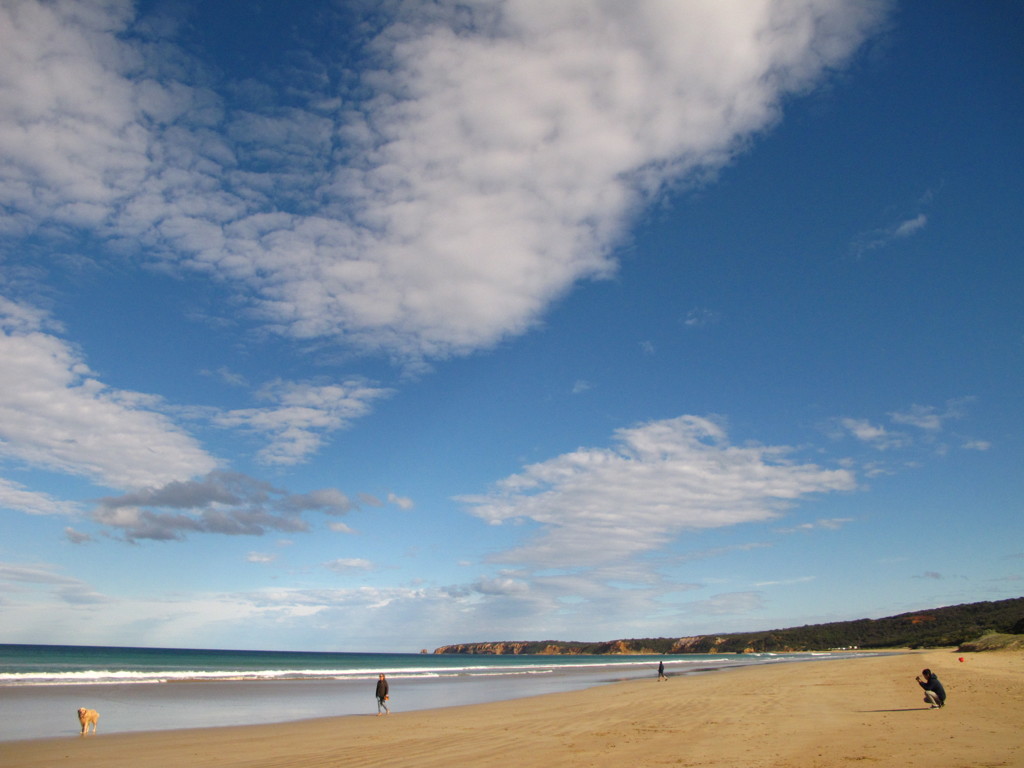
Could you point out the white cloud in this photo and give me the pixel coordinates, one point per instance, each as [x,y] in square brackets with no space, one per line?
[495,163]
[929,417]
[15,496]
[875,435]
[910,226]
[701,317]
[785,582]
[402,502]
[831,524]
[977,445]
[345,564]
[601,506]
[56,414]
[581,386]
[884,236]
[302,414]
[18,582]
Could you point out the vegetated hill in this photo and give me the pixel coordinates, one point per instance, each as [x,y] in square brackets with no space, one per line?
[933,628]
[995,641]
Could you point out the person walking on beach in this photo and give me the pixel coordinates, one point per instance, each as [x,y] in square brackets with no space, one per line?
[934,693]
[382,695]
[661,671]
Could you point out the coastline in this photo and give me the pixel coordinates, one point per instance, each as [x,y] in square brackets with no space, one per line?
[164,689]
[809,714]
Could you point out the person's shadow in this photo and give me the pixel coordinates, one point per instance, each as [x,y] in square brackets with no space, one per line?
[907,709]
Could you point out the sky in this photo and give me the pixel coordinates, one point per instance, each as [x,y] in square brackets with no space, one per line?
[379,326]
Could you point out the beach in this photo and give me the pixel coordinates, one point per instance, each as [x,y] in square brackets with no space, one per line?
[856,711]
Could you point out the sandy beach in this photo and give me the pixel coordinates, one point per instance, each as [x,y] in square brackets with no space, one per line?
[860,711]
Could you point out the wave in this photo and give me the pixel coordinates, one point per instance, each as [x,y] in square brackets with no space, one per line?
[130,676]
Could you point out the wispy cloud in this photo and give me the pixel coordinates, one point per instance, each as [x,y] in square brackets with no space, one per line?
[927,427]
[977,445]
[302,414]
[17,497]
[910,226]
[581,386]
[829,524]
[880,238]
[701,317]
[930,417]
[15,579]
[876,435]
[785,582]
[727,604]
[346,564]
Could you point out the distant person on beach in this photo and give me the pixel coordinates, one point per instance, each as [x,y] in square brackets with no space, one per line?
[661,671]
[382,696]
[934,693]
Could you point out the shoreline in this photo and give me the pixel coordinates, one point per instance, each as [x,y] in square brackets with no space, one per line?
[800,715]
[33,710]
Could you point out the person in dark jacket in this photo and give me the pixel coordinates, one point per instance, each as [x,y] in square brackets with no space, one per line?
[934,693]
[382,695]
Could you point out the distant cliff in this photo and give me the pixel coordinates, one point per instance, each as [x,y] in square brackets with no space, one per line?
[649,646]
[933,628]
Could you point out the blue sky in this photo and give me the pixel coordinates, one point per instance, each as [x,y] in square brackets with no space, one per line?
[380,326]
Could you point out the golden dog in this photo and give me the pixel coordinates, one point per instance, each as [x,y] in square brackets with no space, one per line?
[86,716]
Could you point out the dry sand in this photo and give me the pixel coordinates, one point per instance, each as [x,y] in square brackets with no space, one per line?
[861,711]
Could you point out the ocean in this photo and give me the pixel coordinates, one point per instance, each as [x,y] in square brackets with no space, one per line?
[144,689]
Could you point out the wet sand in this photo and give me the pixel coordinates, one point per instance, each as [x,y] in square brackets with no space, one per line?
[861,711]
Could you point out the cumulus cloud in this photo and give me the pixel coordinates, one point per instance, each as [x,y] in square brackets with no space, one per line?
[55,413]
[601,506]
[440,213]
